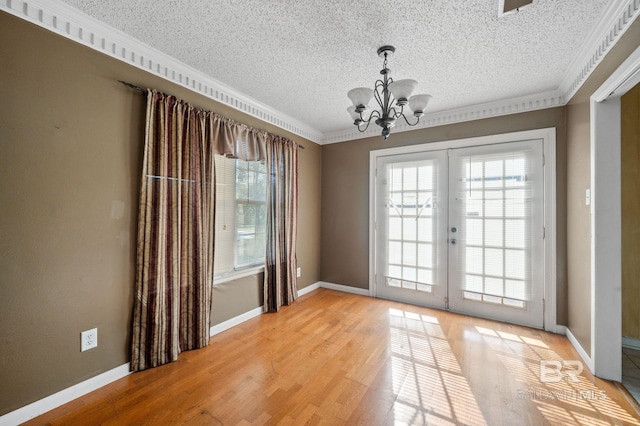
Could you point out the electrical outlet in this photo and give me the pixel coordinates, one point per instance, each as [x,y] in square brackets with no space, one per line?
[88,339]
[298,272]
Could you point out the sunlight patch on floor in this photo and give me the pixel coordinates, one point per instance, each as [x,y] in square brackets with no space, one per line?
[427,378]
[563,395]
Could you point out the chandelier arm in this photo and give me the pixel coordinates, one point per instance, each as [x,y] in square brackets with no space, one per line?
[391,98]
[407,121]
[389,107]
[376,92]
[374,114]
[395,114]
[365,127]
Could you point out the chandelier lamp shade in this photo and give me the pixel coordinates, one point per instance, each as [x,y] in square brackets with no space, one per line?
[392,97]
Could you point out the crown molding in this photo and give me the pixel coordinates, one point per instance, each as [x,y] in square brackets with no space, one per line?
[68,22]
[458,115]
[618,17]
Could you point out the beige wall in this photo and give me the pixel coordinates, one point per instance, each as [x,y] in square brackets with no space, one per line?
[345,192]
[70,149]
[578,180]
[70,154]
[630,189]
[578,223]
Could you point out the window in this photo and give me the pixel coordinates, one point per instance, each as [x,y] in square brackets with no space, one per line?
[241,215]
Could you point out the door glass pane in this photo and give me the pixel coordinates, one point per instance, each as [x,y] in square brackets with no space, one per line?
[494,232]
[395,228]
[425,255]
[409,253]
[425,229]
[475,232]
[408,224]
[474,260]
[493,262]
[492,209]
[409,231]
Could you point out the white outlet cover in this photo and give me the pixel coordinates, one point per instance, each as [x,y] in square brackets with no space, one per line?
[88,339]
[298,272]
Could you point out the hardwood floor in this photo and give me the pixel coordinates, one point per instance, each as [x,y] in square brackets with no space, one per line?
[336,358]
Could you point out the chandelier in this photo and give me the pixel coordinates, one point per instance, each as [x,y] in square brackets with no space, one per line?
[386,91]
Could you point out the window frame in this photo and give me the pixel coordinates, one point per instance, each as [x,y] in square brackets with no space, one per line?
[239,271]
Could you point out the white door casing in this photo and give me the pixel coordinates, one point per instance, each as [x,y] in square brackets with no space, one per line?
[549,243]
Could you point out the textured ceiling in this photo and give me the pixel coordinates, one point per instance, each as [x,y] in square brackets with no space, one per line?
[301,57]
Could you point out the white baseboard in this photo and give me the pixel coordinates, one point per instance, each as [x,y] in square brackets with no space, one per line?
[631,343]
[219,328]
[331,286]
[345,288]
[557,329]
[583,354]
[308,289]
[50,402]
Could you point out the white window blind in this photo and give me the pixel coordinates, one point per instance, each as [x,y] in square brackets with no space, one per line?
[240,214]
[494,209]
[409,221]
[251,213]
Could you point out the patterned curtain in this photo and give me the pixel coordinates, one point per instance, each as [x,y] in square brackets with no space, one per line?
[280,286]
[175,252]
[175,249]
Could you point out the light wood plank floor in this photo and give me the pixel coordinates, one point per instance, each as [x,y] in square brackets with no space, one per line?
[336,358]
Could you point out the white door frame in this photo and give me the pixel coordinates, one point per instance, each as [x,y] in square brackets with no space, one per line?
[548,136]
[606,220]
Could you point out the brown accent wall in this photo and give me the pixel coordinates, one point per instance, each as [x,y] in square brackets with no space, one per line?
[70,159]
[345,192]
[630,191]
[578,180]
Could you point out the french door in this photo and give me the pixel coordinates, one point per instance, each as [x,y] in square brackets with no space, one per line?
[462,229]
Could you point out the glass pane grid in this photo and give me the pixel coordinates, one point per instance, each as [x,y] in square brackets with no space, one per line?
[411,285]
[496,300]
[410,225]
[497,207]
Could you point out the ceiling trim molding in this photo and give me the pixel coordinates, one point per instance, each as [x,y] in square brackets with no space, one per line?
[618,17]
[68,22]
[458,115]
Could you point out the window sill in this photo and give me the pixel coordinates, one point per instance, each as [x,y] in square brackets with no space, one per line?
[235,275]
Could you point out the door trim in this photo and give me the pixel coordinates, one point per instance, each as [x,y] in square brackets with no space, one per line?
[548,136]
[606,247]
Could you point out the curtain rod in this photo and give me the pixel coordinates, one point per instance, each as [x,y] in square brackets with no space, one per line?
[133,86]
[140,89]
